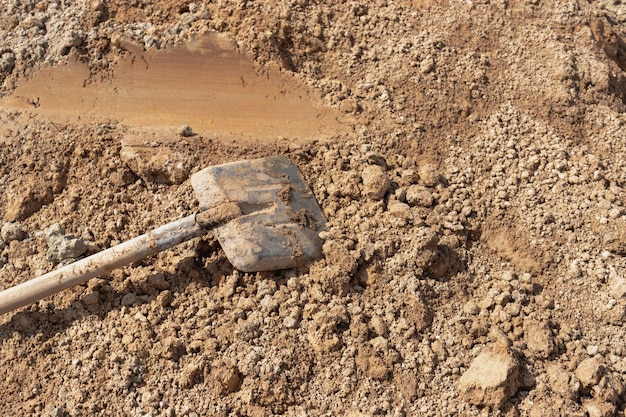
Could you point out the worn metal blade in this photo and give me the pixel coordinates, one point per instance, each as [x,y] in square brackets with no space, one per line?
[281,218]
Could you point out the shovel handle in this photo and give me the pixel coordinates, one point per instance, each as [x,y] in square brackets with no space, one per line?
[100,263]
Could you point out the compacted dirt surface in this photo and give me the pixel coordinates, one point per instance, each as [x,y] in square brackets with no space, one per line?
[468,156]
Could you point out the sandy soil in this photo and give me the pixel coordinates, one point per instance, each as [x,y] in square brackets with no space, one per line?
[468,156]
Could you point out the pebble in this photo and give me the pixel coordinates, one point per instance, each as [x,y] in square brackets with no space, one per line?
[492,378]
[184,131]
[471,308]
[129,299]
[418,195]
[54,230]
[617,286]
[91,298]
[375,182]
[11,232]
[427,65]
[290,322]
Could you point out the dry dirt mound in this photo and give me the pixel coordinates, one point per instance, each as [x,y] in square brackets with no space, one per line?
[467,155]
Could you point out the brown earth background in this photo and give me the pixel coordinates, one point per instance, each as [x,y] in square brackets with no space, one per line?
[468,155]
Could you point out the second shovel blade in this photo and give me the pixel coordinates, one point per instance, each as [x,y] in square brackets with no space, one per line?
[281,219]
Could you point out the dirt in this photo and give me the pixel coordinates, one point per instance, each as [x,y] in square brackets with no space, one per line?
[468,157]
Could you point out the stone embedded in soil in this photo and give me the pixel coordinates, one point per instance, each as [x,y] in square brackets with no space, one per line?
[54,230]
[128,299]
[375,182]
[7,62]
[418,195]
[617,286]
[492,378]
[184,131]
[91,298]
[10,232]
[64,247]
[589,372]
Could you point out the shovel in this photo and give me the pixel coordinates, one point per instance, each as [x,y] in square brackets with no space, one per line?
[262,212]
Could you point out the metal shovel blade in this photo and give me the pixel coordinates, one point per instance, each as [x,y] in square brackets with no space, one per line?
[281,219]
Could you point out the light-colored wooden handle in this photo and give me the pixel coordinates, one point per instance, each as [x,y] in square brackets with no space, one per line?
[100,263]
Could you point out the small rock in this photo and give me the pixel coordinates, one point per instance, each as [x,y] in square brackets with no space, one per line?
[375,182]
[10,232]
[57,412]
[418,195]
[427,65]
[184,131]
[589,372]
[97,5]
[70,40]
[380,344]
[129,299]
[174,347]
[290,322]
[592,350]
[63,247]
[538,338]
[617,286]
[471,308]
[492,378]
[164,298]
[7,62]
[54,230]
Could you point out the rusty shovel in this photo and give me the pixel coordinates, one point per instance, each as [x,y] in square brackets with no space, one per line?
[263,213]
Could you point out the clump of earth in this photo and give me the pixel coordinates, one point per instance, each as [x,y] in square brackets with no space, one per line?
[468,156]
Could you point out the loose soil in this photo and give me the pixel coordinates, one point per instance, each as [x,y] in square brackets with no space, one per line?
[468,156]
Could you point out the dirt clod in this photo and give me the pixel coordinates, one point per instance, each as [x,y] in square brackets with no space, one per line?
[491,379]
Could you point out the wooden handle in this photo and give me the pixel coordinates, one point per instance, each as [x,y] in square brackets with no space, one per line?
[100,263]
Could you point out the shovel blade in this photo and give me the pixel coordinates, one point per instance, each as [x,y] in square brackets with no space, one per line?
[281,219]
